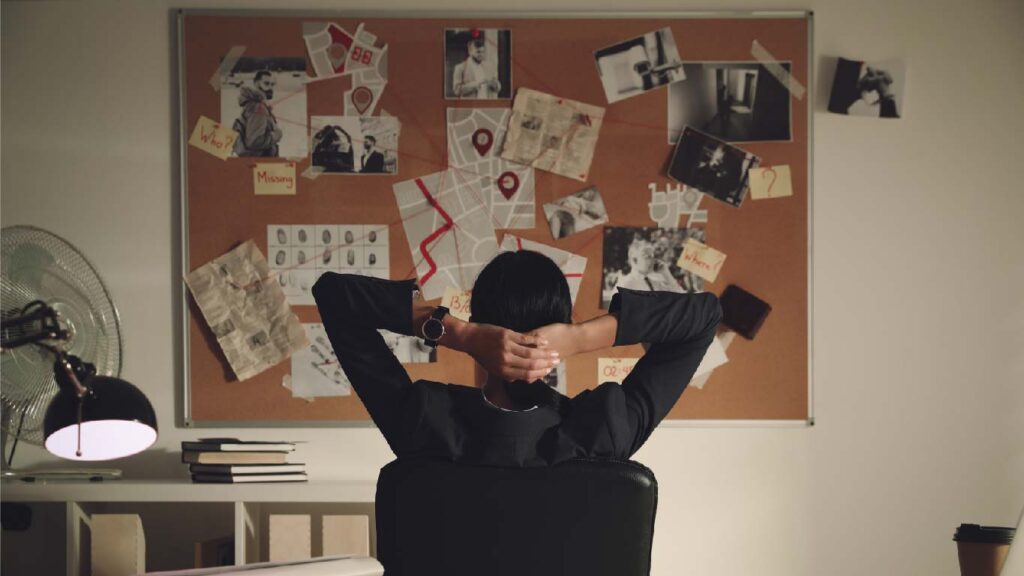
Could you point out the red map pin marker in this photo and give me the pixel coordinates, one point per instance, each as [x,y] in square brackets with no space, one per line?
[508,183]
[362,97]
[482,141]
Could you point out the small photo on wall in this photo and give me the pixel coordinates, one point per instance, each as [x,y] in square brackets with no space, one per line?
[575,213]
[645,259]
[354,144]
[712,166]
[733,101]
[639,64]
[264,101]
[477,64]
[873,89]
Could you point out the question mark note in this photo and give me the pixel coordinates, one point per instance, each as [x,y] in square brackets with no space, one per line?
[771,182]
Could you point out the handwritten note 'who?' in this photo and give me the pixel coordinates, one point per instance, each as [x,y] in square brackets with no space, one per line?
[274,179]
[702,260]
[209,136]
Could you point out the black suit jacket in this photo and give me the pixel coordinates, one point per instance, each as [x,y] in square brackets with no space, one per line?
[456,423]
[374,162]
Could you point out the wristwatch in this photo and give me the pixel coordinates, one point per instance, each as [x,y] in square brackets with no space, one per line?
[433,328]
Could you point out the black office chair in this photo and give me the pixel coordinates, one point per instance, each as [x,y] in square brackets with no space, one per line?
[582,517]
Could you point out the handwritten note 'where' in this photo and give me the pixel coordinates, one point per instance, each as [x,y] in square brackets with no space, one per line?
[274,179]
[702,260]
[209,136]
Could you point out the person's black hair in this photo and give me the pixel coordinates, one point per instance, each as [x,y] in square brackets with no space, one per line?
[371,138]
[261,74]
[477,41]
[522,291]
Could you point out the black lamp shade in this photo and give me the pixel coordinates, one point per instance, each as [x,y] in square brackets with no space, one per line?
[117,420]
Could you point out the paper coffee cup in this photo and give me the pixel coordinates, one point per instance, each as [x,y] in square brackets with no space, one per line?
[982,549]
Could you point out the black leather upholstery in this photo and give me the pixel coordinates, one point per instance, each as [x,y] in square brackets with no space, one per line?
[583,517]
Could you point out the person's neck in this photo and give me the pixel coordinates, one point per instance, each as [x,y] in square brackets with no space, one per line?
[495,391]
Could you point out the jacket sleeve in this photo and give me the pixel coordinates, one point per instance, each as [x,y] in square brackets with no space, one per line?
[258,135]
[353,308]
[679,329]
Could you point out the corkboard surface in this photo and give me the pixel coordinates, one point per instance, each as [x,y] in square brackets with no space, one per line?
[766,241]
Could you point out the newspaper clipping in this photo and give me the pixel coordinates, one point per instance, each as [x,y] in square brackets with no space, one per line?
[248,314]
[552,133]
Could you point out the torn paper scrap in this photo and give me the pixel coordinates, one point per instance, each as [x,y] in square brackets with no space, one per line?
[457,302]
[211,137]
[770,182]
[475,136]
[704,371]
[614,369]
[571,265]
[701,259]
[274,179]
[445,254]
[552,134]
[315,370]
[246,310]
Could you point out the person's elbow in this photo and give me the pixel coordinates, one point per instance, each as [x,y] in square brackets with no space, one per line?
[328,283]
[712,312]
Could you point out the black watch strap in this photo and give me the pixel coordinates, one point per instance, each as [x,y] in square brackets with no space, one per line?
[433,328]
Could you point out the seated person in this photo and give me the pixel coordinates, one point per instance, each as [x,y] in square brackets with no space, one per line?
[519,330]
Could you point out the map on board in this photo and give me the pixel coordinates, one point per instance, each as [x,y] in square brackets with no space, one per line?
[475,135]
[451,235]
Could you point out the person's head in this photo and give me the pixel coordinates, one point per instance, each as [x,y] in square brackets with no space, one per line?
[344,141]
[718,156]
[370,142]
[521,291]
[264,82]
[477,48]
[641,256]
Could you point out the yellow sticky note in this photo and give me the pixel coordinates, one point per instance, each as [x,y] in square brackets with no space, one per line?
[211,137]
[274,179]
[457,302]
[702,260]
[771,182]
[614,369]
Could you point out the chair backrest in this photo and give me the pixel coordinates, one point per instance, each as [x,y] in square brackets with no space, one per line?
[582,517]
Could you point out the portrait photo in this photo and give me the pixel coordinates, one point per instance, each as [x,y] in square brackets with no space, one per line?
[264,101]
[477,64]
[644,258]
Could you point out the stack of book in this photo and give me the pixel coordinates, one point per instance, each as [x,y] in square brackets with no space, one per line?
[229,460]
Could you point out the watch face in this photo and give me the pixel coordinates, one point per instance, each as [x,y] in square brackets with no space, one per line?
[433,329]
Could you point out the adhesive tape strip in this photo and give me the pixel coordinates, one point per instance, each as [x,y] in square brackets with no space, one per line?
[226,65]
[775,69]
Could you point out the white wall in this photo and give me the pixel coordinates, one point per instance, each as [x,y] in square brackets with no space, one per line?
[918,274]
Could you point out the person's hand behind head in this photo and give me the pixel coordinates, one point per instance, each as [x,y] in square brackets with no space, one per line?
[509,354]
[560,338]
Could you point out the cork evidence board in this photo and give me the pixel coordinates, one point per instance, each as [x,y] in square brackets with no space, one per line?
[412,83]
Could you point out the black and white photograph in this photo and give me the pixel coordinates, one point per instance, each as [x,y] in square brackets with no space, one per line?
[733,101]
[872,89]
[355,144]
[477,64]
[640,64]
[264,101]
[575,213]
[644,258]
[712,166]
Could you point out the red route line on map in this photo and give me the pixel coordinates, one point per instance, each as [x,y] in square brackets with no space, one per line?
[436,233]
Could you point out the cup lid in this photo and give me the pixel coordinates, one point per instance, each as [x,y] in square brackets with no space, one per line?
[984,534]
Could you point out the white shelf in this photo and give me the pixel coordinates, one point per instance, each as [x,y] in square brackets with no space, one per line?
[184,490]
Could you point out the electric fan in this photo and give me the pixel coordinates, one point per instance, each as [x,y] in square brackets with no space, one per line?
[61,353]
